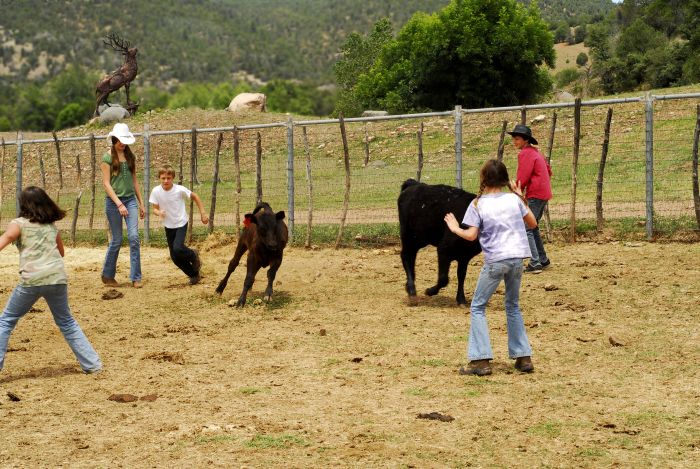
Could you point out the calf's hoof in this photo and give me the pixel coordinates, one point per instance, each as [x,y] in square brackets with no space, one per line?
[432,291]
[411,290]
[267,298]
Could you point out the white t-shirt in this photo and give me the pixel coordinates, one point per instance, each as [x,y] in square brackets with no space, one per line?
[173,203]
[499,217]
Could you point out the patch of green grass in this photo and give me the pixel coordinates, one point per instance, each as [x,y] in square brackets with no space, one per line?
[201,440]
[418,392]
[592,453]
[279,441]
[551,429]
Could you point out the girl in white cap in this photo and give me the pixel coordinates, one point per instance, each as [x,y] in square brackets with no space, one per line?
[123,201]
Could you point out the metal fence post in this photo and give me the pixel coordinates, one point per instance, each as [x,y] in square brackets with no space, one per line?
[290,175]
[146,183]
[458,145]
[649,118]
[18,188]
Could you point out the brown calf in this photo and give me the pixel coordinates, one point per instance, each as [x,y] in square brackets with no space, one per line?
[264,237]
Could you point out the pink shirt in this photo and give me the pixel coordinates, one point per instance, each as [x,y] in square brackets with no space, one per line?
[534,173]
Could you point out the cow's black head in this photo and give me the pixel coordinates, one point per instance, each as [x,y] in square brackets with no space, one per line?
[271,230]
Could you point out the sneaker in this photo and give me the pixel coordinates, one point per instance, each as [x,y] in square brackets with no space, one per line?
[545,264]
[477,367]
[110,282]
[93,372]
[524,364]
[195,280]
[197,262]
[533,269]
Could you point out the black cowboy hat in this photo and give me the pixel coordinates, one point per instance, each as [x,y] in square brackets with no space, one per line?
[525,132]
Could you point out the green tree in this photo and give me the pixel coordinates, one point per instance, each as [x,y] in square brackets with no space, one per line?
[70,116]
[582,59]
[473,52]
[358,55]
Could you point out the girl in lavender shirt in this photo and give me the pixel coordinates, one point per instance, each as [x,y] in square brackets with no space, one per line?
[498,219]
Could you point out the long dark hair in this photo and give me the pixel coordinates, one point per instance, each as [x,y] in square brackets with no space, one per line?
[36,205]
[128,154]
[493,174]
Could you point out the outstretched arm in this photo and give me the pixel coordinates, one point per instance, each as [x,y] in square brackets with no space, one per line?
[59,245]
[470,234]
[10,235]
[200,206]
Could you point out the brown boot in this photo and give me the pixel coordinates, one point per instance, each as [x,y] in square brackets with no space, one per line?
[477,367]
[524,364]
[110,282]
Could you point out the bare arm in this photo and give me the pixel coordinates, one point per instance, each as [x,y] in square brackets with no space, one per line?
[106,170]
[156,209]
[470,234]
[59,245]
[529,218]
[137,190]
[200,206]
[10,235]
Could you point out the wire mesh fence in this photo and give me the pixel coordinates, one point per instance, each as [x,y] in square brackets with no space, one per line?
[619,178]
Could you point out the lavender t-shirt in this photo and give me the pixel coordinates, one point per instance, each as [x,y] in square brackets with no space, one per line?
[499,217]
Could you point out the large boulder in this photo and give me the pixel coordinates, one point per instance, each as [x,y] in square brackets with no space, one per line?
[563,96]
[248,101]
[112,113]
[374,113]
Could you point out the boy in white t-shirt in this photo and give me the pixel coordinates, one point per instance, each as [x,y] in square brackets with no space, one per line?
[168,201]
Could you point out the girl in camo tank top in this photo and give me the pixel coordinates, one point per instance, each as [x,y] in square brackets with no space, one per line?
[42,274]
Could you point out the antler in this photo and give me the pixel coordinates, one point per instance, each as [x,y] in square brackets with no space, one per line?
[116,42]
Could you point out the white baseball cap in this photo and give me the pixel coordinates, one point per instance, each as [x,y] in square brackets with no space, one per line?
[121,131]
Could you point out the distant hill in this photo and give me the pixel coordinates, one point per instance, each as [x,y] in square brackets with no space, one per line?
[206,40]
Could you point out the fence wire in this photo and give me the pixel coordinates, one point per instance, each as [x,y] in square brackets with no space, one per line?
[382,155]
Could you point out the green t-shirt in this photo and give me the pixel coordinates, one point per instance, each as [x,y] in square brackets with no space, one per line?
[123,181]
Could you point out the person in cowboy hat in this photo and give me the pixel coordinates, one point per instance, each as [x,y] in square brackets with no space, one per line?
[123,201]
[533,176]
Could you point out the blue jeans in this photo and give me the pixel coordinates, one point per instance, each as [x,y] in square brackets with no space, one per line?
[114,218]
[511,272]
[539,255]
[182,256]
[56,296]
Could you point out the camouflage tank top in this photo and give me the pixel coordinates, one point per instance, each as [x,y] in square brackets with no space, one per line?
[40,263]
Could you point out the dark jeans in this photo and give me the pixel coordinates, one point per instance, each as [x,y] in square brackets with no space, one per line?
[539,255]
[182,256]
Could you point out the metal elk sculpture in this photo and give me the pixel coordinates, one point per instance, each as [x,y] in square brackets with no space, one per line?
[123,76]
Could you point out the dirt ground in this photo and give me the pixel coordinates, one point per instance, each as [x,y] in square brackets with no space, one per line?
[336,370]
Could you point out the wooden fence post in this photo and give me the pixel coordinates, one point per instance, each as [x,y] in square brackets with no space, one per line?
[346,199]
[501,141]
[92,180]
[366,162]
[601,172]
[2,176]
[182,156]
[574,165]
[214,184]
[258,169]
[649,151]
[74,224]
[696,189]
[419,135]
[58,160]
[78,171]
[18,172]
[523,115]
[237,168]
[193,162]
[42,170]
[307,153]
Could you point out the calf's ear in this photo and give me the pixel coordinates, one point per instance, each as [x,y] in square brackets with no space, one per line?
[248,219]
[280,215]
